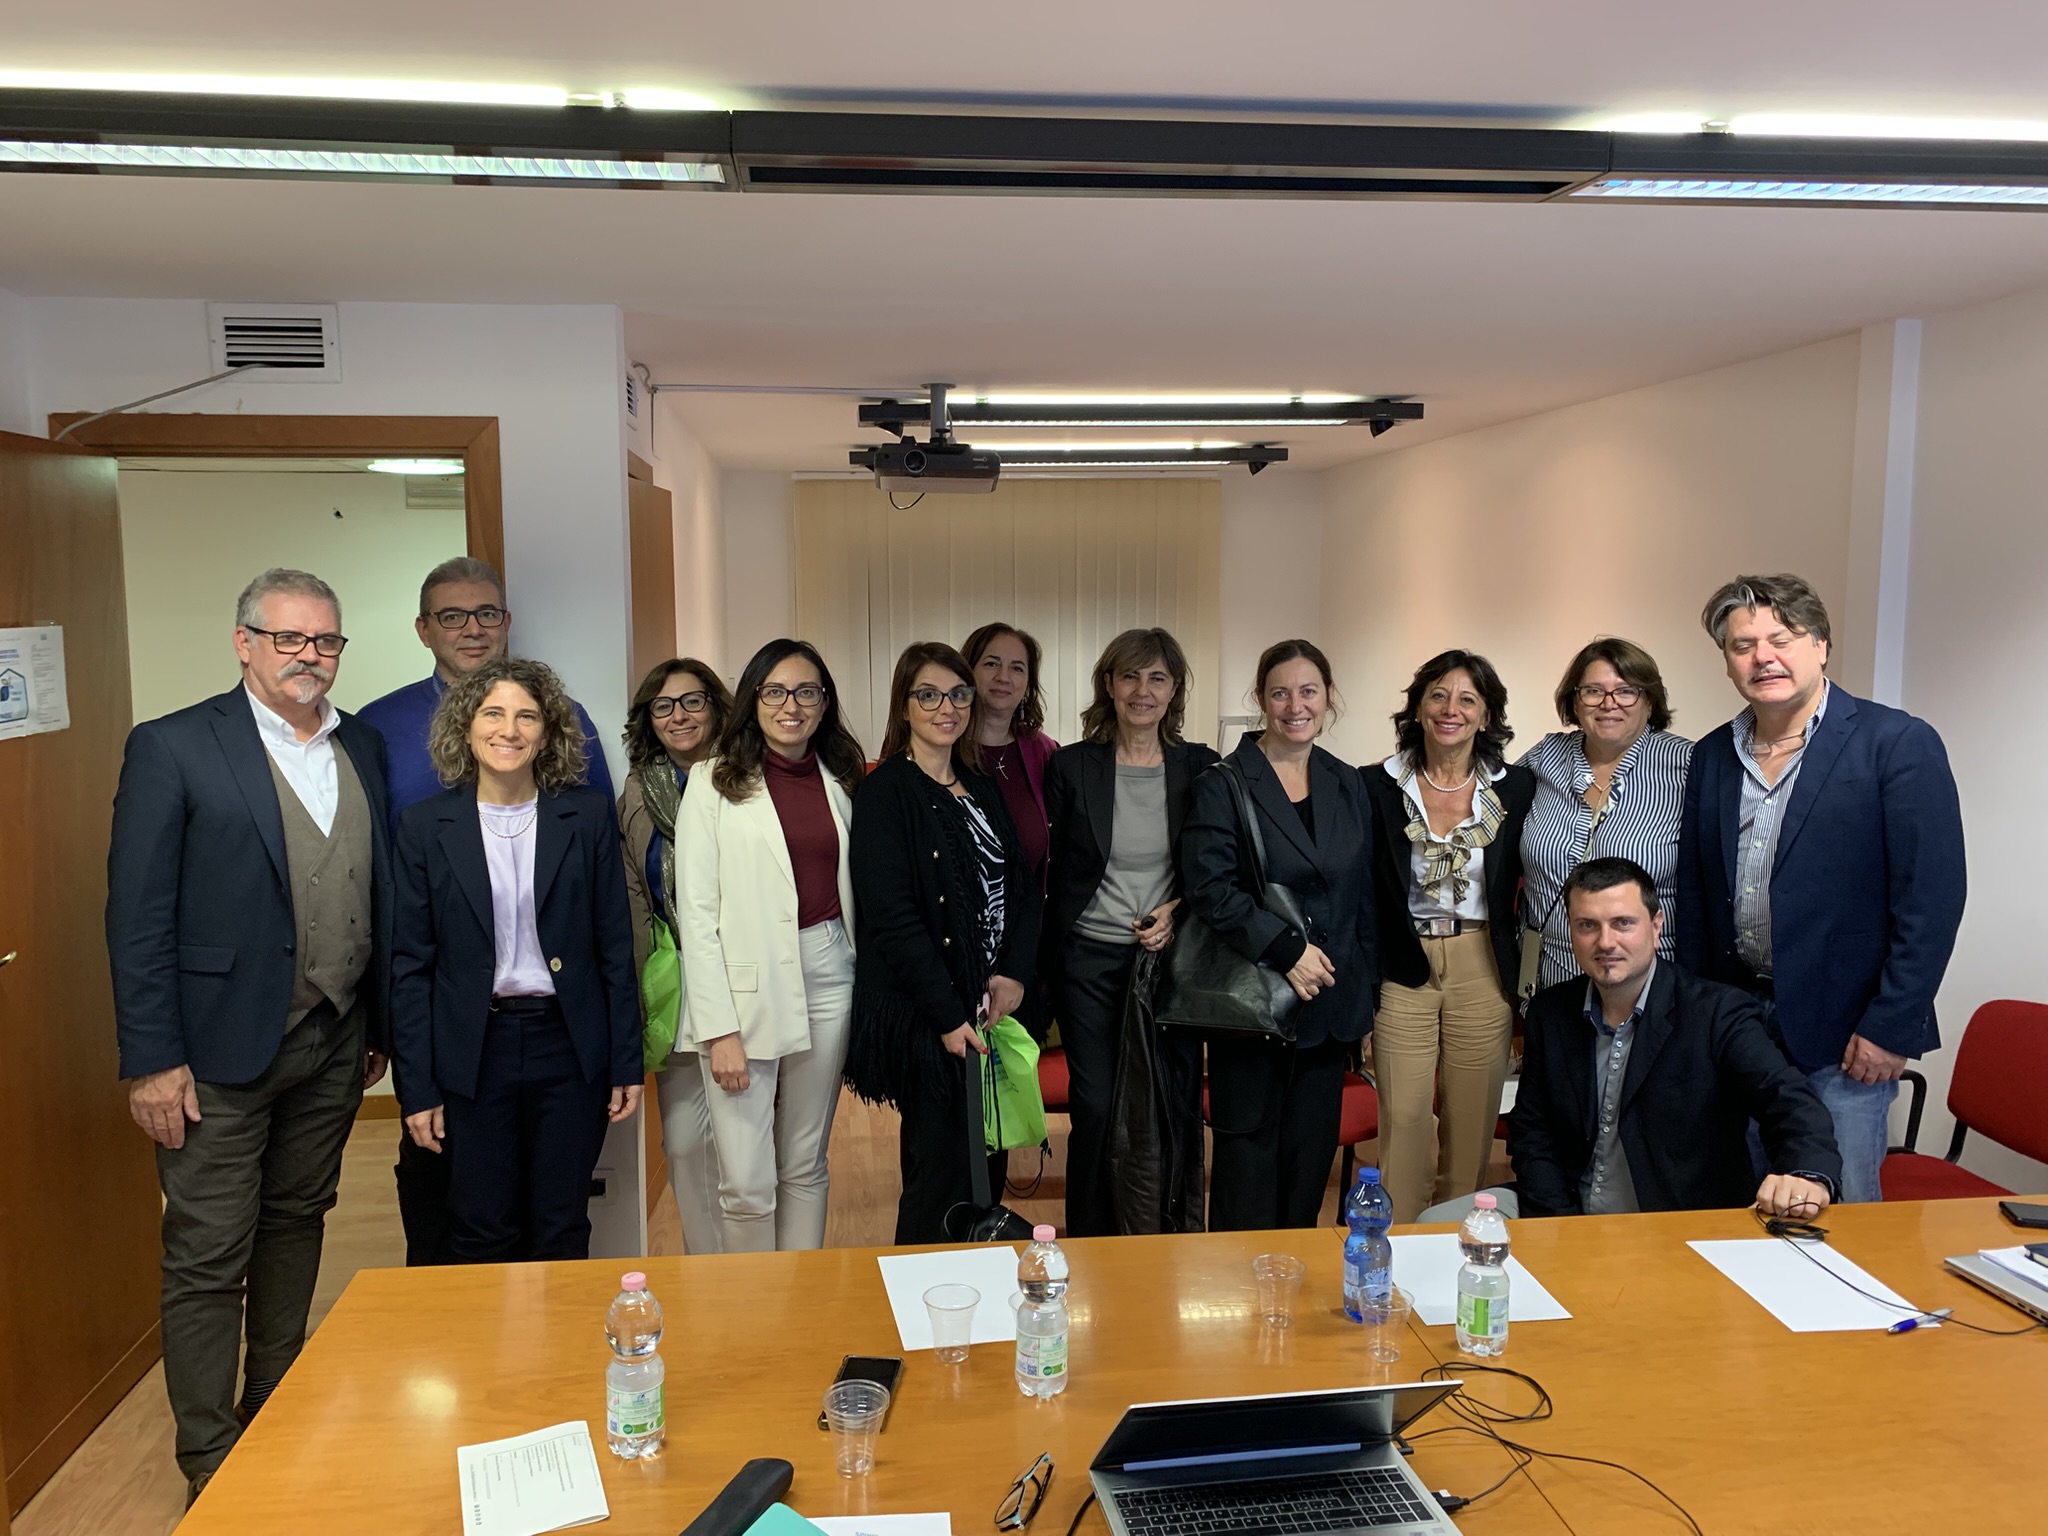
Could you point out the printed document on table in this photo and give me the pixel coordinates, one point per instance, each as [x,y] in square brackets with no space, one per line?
[543,1481]
[940,1524]
[1806,1287]
[1426,1267]
[2014,1261]
[990,1269]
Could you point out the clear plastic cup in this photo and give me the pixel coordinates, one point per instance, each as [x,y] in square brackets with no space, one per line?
[1386,1323]
[855,1410]
[1278,1276]
[952,1313]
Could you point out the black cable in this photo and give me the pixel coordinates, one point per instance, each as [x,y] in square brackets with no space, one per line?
[1075,1524]
[901,507]
[1800,1235]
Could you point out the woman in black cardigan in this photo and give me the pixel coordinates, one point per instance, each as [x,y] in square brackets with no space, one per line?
[1447,863]
[946,922]
[1116,800]
[1275,1108]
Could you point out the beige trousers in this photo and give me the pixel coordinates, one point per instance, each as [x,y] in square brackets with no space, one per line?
[1444,1044]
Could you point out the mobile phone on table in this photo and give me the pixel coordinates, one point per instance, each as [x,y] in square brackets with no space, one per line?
[885,1370]
[2020,1214]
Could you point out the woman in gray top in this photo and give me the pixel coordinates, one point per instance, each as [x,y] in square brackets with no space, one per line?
[1115,800]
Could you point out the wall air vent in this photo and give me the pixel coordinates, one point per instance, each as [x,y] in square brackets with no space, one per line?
[632,397]
[298,341]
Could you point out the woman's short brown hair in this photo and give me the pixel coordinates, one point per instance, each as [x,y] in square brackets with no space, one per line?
[1030,715]
[915,658]
[558,765]
[1637,668]
[1129,652]
[643,743]
[1284,651]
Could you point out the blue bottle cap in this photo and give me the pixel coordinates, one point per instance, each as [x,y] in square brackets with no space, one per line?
[1368,1175]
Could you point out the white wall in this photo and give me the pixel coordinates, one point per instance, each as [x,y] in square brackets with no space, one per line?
[1977,648]
[14,366]
[191,539]
[1619,516]
[550,374]
[691,477]
[1272,557]
[756,511]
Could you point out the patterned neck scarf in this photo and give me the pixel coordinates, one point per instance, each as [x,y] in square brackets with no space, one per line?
[1445,859]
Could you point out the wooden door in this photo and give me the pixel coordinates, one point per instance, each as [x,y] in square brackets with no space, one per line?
[79,1207]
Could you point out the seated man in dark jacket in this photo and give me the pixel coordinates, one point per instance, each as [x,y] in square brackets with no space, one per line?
[1639,1084]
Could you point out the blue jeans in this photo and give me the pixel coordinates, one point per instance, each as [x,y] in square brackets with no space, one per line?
[1862,1116]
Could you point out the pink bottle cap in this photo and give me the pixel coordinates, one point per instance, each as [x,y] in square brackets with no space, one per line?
[633,1282]
[1043,1234]
[1482,1202]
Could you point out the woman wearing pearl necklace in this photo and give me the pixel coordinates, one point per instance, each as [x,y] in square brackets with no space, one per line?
[1447,815]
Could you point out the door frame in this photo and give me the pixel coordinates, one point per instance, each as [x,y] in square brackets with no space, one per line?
[215,435]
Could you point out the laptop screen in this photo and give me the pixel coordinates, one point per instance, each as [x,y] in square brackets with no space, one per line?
[1257,1428]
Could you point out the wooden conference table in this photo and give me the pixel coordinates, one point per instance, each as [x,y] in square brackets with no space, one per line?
[1665,1366]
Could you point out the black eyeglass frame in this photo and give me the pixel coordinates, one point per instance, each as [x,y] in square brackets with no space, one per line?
[457,618]
[1011,1514]
[795,693]
[960,696]
[329,645]
[676,701]
[1592,693]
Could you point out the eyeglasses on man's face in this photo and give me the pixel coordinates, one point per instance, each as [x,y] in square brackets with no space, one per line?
[1592,695]
[289,642]
[490,616]
[929,698]
[1025,1495]
[662,705]
[807,695]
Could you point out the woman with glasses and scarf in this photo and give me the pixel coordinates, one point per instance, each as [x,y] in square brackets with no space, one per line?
[764,903]
[948,927]
[1447,821]
[672,725]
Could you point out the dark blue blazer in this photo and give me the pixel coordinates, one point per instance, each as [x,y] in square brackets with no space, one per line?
[1329,872]
[200,932]
[445,952]
[1866,891]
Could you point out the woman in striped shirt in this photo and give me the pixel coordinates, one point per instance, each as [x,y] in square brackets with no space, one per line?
[1613,787]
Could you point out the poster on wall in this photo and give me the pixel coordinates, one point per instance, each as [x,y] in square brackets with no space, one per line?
[32,695]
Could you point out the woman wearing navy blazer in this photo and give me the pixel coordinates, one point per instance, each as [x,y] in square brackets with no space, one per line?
[516,1018]
[1274,1108]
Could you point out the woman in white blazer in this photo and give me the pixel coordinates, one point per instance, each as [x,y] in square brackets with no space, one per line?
[765,906]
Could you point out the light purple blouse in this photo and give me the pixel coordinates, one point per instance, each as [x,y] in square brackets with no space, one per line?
[522,970]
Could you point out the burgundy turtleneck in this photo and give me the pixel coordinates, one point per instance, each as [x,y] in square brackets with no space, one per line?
[797,787]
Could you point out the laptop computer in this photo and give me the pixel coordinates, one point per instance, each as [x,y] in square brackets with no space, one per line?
[2003,1283]
[1293,1464]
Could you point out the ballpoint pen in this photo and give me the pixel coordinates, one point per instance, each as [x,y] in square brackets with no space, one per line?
[1908,1324]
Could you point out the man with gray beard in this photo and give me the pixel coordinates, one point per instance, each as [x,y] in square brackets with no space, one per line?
[248,913]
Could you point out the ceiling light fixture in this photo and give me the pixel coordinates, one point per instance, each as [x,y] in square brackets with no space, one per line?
[1254,457]
[356,165]
[1928,194]
[1149,411]
[467,93]
[416,466]
[659,99]
[1826,125]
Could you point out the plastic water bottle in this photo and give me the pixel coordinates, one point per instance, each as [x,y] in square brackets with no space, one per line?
[1042,1317]
[635,1406]
[1368,1252]
[1483,1279]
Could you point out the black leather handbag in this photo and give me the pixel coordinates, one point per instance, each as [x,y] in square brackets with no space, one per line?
[981,1218]
[1208,986]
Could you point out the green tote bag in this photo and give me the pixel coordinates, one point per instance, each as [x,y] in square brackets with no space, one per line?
[1012,1109]
[661,995]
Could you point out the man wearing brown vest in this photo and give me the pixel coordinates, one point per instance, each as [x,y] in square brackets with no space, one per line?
[248,911]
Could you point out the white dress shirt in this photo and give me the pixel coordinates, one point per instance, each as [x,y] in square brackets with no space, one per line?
[308,766]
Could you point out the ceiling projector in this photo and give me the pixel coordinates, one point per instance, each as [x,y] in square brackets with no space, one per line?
[939,465]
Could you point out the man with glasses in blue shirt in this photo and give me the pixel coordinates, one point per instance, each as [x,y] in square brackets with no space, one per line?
[465,622]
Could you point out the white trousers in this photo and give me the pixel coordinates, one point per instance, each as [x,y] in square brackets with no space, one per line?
[772,1136]
[692,1154]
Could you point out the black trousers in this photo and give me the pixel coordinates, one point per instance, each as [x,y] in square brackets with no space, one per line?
[522,1149]
[423,1199]
[932,1149]
[1274,1111]
[1089,1000]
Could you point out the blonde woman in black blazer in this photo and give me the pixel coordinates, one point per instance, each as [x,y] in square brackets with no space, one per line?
[1116,800]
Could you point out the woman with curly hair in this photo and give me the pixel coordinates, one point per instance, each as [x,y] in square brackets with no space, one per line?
[1447,859]
[672,725]
[514,1011]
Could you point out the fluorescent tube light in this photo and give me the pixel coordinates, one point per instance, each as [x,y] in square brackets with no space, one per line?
[963,397]
[1824,125]
[1690,190]
[416,466]
[1652,122]
[465,92]
[350,164]
[657,99]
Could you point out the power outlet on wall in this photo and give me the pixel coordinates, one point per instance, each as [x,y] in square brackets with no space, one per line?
[601,1186]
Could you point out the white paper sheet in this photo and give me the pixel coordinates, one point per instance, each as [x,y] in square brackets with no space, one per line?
[1806,1288]
[2015,1262]
[1426,1267]
[990,1269]
[32,690]
[940,1524]
[543,1481]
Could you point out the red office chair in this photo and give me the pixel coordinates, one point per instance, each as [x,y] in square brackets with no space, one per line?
[1052,1079]
[1999,1088]
[1358,1121]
